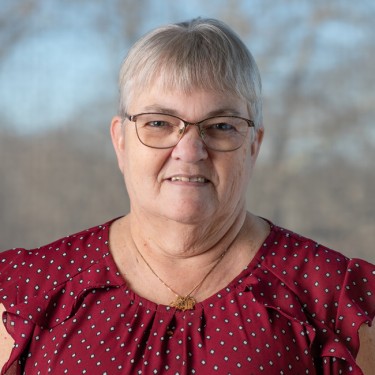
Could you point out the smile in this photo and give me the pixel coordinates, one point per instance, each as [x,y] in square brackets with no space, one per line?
[189,179]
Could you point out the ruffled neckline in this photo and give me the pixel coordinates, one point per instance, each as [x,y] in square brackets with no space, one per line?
[239,282]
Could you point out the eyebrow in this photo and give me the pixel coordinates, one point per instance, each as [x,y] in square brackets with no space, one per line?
[217,112]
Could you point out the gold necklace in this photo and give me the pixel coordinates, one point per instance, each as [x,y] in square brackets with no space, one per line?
[188,302]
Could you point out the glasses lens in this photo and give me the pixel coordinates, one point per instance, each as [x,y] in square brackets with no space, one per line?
[158,130]
[224,133]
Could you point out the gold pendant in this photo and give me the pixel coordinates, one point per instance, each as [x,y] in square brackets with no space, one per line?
[183,303]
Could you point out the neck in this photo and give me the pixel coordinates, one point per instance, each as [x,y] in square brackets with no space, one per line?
[182,255]
[192,252]
[164,238]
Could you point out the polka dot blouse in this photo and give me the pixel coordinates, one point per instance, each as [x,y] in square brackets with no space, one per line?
[295,309]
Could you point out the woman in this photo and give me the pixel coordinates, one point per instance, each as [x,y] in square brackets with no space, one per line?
[188,282]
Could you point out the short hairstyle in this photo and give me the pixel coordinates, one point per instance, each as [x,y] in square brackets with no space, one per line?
[197,54]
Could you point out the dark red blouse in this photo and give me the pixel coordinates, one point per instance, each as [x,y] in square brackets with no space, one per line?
[295,309]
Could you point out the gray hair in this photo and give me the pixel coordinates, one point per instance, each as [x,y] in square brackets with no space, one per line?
[197,54]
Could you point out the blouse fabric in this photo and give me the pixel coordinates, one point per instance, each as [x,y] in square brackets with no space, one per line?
[295,309]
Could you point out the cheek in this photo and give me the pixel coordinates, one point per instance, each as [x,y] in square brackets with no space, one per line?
[241,168]
[233,171]
[135,177]
[143,165]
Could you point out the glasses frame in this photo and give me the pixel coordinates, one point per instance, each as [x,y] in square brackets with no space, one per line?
[133,118]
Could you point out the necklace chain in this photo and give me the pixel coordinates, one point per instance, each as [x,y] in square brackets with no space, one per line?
[186,302]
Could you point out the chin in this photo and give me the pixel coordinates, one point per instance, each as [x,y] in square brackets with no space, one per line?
[189,215]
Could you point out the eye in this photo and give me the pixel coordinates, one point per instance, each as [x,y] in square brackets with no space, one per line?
[157,124]
[222,126]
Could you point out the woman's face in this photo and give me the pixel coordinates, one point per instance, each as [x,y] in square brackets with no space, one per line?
[163,182]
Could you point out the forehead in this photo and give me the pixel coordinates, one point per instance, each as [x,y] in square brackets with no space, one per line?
[158,97]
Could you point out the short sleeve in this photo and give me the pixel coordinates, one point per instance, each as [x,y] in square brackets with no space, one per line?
[356,302]
[336,295]
[10,262]
[355,307]
[9,291]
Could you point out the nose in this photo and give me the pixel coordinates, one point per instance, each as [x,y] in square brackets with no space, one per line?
[190,147]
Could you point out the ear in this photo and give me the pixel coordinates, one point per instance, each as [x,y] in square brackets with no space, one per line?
[118,139]
[257,142]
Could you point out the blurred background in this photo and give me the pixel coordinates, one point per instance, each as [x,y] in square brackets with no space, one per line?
[59,62]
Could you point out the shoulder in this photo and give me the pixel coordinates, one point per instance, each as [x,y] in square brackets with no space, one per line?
[289,253]
[329,284]
[296,257]
[28,272]
[83,240]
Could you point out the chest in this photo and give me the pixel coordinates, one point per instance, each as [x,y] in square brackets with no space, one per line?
[109,335]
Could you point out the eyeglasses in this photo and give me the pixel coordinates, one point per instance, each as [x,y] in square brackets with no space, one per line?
[219,133]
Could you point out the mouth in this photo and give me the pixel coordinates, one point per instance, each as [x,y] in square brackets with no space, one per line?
[196,179]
